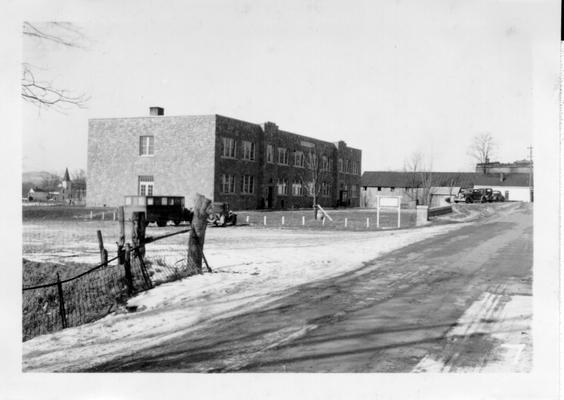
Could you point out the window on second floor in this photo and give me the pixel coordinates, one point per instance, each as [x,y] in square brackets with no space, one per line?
[282,156]
[340,165]
[297,188]
[269,154]
[228,147]
[146,145]
[248,150]
[298,158]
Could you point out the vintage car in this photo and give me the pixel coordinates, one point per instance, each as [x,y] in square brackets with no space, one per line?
[497,196]
[478,195]
[222,215]
[158,209]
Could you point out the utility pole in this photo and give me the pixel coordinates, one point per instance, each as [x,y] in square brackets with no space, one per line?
[530,172]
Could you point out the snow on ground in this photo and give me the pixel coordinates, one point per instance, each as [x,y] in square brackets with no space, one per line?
[252,268]
[501,319]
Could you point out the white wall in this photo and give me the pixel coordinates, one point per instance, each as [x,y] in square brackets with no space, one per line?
[516,193]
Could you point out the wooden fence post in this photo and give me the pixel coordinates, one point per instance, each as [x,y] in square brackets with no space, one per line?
[121,240]
[127,267]
[138,232]
[197,234]
[103,251]
[62,312]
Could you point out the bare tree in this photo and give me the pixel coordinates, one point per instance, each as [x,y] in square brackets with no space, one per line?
[316,174]
[420,179]
[482,149]
[50,182]
[41,93]
[79,176]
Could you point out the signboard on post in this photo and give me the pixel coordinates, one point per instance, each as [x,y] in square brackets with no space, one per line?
[388,202]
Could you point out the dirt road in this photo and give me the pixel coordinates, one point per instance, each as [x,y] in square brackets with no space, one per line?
[455,302]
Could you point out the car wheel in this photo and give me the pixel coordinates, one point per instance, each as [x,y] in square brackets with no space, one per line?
[468,200]
[176,222]
[161,222]
[483,200]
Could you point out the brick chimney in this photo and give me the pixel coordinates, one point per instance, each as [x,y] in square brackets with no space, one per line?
[154,111]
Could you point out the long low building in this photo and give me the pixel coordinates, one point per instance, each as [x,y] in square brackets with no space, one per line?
[410,186]
[247,165]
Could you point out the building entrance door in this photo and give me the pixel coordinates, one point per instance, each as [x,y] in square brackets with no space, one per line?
[269,197]
[343,197]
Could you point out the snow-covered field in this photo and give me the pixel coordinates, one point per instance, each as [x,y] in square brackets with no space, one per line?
[251,268]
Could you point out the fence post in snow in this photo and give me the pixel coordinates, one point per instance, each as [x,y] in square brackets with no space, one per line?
[62,312]
[265,219]
[121,240]
[346,220]
[247,219]
[282,220]
[138,232]
[368,222]
[127,267]
[303,220]
[91,214]
[103,215]
[103,251]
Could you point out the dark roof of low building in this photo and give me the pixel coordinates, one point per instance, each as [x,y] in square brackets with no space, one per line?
[439,179]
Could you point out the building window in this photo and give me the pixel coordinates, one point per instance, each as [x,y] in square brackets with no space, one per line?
[340,164]
[145,185]
[227,183]
[228,148]
[324,163]
[282,156]
[247,184]
[297,188]
[269,154]
[248,151]
[299,159]
[354,191]
[146,145]
[282,187]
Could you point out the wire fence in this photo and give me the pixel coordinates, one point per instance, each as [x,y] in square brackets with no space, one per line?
[97,292]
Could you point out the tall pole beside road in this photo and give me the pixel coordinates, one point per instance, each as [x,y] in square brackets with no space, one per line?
[530,173]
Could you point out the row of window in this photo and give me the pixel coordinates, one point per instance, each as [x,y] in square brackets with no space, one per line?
[298,187]
[300,159]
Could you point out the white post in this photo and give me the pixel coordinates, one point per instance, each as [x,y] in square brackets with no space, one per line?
[378,217]
[282,220]
[367,222]
[303,220]
[114,216]
[91,215]
[399,216]
[322,221]
[346,222]
[103,215]
[247,219]
[265,219]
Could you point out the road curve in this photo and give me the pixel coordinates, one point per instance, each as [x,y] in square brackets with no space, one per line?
[455,302]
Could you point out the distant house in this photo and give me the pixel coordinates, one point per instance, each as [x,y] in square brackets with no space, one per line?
[444,185]
[36,194]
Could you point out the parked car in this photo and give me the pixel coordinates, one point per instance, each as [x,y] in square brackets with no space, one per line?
[158,209]
[474,195]
[222,215]
[497,196]
[461,196]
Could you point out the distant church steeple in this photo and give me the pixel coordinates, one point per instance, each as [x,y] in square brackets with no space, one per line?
[66,185]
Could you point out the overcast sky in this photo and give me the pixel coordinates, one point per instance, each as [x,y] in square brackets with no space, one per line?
[388,77]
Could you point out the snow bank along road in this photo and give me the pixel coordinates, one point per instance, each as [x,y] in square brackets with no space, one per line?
[443,298]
